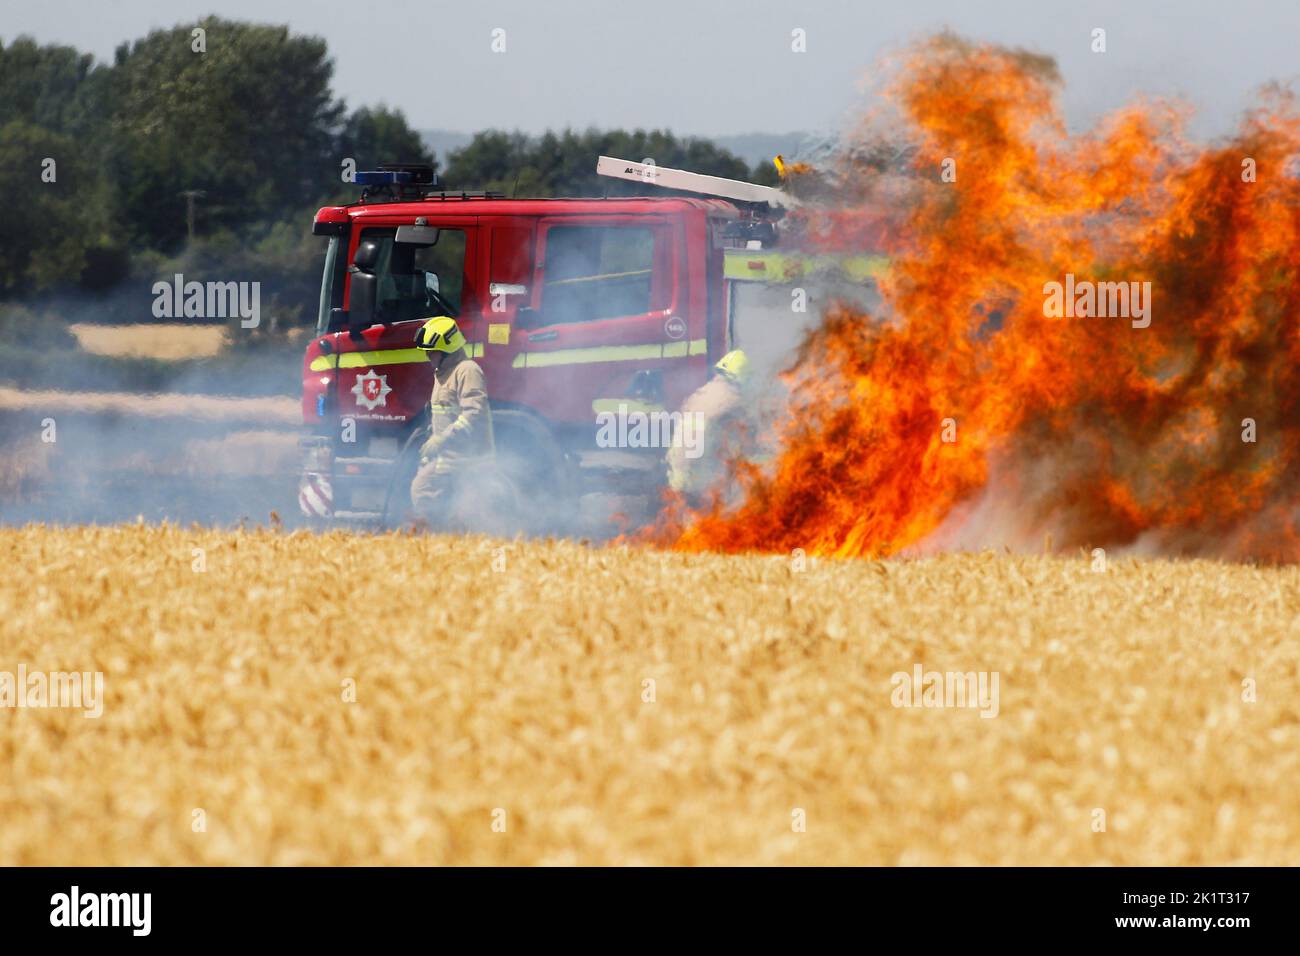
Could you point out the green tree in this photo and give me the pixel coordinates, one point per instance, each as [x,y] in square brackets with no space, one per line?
[379,135]
[54,87]
[250,121]
[58,212]
[491,161]
[247,119]
[564,164]
[49,229]
[764,174]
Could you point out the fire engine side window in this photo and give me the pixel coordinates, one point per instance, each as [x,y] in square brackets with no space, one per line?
[416,281]
[599,272]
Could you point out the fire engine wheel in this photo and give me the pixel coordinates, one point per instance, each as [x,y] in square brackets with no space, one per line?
[485,502]
[537,468]
[397,499]
[528,490]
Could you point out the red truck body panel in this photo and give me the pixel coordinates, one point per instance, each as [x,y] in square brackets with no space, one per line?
[551,344]
[559,368]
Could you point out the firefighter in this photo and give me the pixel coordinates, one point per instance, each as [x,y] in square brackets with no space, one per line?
[714,428]
[460,420]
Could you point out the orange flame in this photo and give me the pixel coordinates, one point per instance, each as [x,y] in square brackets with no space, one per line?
[962,415]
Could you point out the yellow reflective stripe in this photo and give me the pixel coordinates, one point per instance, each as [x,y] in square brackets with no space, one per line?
[765,265]
[610,353]
[386,357]
[606,353]
[681,349]
[601,353]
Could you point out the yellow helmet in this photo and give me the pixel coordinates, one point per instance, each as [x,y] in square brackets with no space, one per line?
[440,334]
[735,366]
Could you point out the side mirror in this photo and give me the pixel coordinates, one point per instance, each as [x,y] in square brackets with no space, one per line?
[367,257]
[417,235]
[365,287]
[361,304]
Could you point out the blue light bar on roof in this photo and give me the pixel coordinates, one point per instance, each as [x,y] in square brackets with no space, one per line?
[382,177]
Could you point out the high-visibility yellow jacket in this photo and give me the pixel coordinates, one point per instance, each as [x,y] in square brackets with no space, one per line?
[460,417]
[720,422]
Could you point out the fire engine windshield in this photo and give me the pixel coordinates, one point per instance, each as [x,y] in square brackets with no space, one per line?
[330,289]
[418,282]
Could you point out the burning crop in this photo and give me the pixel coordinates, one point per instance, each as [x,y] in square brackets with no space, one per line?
[1093,336]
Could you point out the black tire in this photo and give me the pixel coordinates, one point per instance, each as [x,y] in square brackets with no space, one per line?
[486,502]
[528,490]
[541,476]
[397,499]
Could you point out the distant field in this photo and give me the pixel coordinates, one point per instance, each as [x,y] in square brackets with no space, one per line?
[269,410]
[173,341]
[116,455]
[516,680]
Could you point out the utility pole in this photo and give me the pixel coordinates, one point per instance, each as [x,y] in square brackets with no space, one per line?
[191,195]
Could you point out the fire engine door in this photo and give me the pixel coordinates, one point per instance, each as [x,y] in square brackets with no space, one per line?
[604,320]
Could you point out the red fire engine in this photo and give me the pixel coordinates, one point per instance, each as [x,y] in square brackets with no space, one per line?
[571,307]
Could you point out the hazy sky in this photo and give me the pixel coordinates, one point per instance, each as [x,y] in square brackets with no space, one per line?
[715,66]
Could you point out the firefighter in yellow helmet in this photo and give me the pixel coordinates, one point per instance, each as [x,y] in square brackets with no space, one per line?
[715,427]
[460,420]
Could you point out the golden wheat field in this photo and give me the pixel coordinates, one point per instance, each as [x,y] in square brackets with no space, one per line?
[503,714]
[175,340]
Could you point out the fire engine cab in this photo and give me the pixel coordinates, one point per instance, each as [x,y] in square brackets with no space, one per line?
[571,306]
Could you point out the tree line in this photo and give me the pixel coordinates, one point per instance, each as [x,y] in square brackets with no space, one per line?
[209,146]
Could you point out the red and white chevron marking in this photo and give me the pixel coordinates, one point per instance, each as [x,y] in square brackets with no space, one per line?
[315,496]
